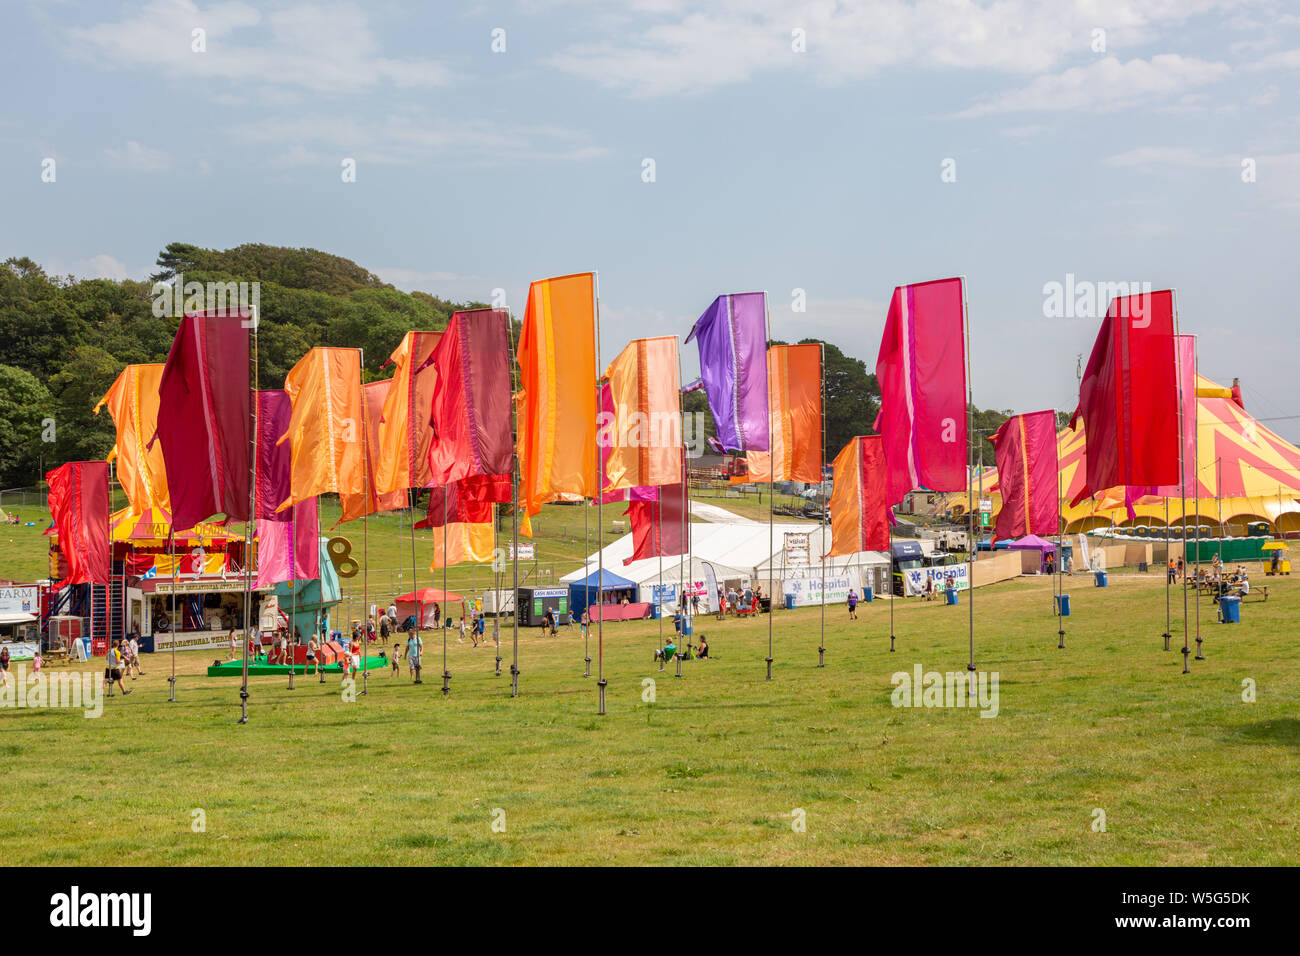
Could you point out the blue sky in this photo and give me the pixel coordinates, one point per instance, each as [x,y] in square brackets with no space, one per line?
[817,169]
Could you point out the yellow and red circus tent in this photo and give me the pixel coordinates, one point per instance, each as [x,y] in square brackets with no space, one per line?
[1255,472]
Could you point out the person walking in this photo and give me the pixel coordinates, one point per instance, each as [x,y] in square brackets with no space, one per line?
[414,646]
[853,604]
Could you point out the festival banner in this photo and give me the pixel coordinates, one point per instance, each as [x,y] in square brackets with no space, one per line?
[326,425]
[794,376]
[464,541]
[1026,454]
[557,403]
[370,500]
[1129,396]
[276,539]
[644,435]
[405,427]
[859,507]
[657,526]
[133,403]
[469,500]
[921,369]
[78,500]
[471,398]
[204,418]
[731,336]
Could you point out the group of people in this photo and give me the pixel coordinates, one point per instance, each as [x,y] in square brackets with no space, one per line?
[748,600]
[123,657]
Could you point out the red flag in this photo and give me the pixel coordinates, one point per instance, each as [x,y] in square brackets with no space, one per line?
[922,373]
[468,501]
[1025,449]
[657,526]
[859,506]
[79,505]
[1129,397]
[470,411]
[203,419]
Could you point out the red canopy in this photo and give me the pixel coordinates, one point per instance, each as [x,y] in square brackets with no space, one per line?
[429,596]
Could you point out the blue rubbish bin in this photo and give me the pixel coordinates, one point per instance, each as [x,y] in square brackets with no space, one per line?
[951,596]
[1063,604]
[1230,609]
[687,628]
[1101,579]
[789,602]
[868,595]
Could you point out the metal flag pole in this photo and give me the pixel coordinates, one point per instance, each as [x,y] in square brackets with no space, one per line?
[1182,481]
[970,431]
[771,485]
[686,515]
[659,546]
[446,674]
[365,529]
[496,596]
[586,563]
[601,682]
[1169,561]
[514,518]
[890,528]
[172,680]
[413,496]
[1060,562]
[1196,488]
[248,526]
[293,577]
[821,466]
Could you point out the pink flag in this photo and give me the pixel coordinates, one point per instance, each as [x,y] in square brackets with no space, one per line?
[1025,449]
[276,538]
[922,373]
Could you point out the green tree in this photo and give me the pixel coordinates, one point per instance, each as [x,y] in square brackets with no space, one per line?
[24,404]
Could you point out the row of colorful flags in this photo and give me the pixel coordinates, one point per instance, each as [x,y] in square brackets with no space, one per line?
[191,434]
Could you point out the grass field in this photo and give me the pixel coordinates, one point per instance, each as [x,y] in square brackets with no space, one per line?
[715,769]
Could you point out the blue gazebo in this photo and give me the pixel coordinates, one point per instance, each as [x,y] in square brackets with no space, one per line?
[594,588]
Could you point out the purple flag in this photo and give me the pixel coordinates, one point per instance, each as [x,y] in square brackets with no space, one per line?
[732,339]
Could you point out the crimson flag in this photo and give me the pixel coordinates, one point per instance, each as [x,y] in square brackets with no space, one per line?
[78,501]
[1025,449]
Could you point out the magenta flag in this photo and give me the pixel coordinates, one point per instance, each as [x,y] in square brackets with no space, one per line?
[922,374]
[732,338]
[203,419]
[301,533]
[1026,453]
[273,413]
[1128,398]
[1185,346]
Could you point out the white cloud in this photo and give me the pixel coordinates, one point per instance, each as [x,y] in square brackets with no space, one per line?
[674,47]
[104,266]
[1285,60]
[321,47]
[1106,84]
[141,158]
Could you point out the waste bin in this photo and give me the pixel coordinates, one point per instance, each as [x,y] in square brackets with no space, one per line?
[950,597]
[1101,579]
[789,602]
[1142,566]
[868,595]
[1230,609]
[1063,604]
[687,628]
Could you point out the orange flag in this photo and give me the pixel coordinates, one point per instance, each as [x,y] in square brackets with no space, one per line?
[326,425]
[133,403]
[859,511]
[373,500]
[794,379]
[466,541]
[556,426]
[645,434]
[404,430]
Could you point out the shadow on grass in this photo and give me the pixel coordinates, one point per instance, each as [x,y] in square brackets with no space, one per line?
[1283,730]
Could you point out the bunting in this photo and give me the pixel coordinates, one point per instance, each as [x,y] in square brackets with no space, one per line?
[731,337]
[133,404]
[921,369]
[1025,450]
[557,404]
[204,419]
[859,506]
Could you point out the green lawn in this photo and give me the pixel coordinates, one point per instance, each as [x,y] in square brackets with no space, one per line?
[710,773]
